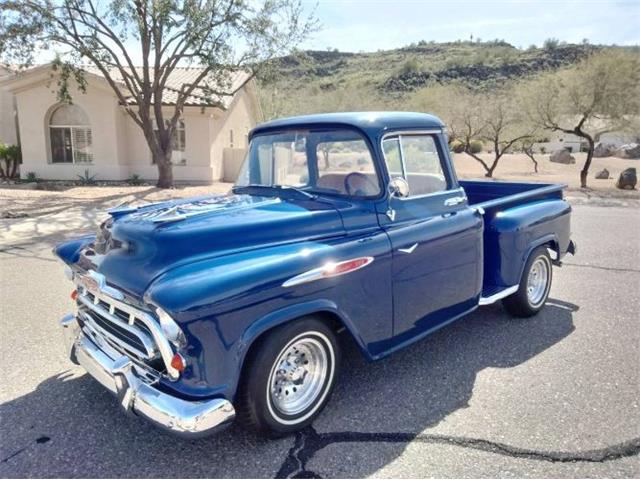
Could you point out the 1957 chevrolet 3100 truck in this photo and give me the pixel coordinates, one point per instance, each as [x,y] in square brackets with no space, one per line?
[196,311]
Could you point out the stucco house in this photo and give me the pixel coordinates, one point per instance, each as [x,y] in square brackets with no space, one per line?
[8,118]
[94,133]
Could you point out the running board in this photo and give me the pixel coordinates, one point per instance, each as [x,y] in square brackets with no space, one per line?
[498,296]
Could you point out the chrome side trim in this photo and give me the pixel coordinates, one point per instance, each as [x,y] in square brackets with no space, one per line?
[186,418]
[409,249]
[498,296]
[325,271]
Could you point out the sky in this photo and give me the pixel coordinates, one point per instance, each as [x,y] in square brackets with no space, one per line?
[371,25]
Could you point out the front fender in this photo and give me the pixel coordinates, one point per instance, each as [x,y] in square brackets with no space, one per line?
[69,251]
[224,304]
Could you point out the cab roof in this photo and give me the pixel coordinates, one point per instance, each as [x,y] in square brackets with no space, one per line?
[370,122]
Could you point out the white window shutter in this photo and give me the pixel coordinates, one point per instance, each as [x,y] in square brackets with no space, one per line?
[82,152]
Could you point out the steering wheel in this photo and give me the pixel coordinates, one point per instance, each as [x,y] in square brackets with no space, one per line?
[365,184]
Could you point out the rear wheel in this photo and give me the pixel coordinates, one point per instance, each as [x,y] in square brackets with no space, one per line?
[289,377]
[534,286]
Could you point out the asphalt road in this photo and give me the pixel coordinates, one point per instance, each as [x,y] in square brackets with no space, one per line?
[489,396]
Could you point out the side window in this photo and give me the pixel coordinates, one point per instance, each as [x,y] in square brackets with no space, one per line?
[416,158]
[345,166]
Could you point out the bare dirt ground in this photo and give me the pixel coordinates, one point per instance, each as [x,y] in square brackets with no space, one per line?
[520,167]
[45,215]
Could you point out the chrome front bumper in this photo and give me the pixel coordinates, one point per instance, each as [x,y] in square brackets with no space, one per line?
[118,375]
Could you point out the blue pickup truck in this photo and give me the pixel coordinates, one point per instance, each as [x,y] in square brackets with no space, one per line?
[195,312]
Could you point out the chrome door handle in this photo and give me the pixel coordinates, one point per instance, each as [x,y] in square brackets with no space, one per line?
[452,201]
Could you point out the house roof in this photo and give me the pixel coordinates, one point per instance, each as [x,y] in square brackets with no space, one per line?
[179,77]
[370,122]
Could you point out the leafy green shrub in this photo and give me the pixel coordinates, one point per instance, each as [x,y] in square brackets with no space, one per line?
[12,157]
[475,146]
[410,66]
[550,44]
[32,177]
[457,146]
[135,179]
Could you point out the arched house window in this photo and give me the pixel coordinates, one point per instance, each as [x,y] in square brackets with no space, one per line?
[70,135]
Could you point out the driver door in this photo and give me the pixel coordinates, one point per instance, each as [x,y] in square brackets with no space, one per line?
[436,238]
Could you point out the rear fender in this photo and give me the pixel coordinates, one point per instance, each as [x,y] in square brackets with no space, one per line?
[551,241]
[513,233]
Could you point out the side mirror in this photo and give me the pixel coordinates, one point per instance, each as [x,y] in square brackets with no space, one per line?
[398,187]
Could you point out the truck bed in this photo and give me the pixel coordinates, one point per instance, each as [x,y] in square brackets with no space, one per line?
[495,195]
[517,218]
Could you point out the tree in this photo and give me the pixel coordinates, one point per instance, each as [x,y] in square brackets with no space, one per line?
[526,147]
[220,36]
[601,94]
[494,118]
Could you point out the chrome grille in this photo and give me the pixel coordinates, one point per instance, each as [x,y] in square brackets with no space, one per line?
[127,329]
[124,334]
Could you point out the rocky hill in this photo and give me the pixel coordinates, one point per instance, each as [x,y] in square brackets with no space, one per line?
[333,80]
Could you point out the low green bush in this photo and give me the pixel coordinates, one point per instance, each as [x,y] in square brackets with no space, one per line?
[475,146]
[457,146]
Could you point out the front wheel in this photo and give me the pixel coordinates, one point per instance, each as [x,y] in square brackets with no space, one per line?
[534,286]
[289,377]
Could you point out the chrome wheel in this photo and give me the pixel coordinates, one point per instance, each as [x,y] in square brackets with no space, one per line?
[299,375]
[538,281]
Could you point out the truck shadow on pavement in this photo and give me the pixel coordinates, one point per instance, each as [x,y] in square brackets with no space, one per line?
[71,427]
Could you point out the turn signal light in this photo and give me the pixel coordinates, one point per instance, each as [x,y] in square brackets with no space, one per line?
[74,295]
[178,362]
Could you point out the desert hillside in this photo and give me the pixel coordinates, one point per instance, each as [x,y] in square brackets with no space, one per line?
[319,81]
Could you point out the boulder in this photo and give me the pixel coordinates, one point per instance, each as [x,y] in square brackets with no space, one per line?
[603,149]
[602,174]
[627,179]
[562,156]
[630,150]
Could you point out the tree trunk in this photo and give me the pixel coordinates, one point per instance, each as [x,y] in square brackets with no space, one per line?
[467,150]
[14,169]
[587,163]
[498,156]
[165,169]
[529,153]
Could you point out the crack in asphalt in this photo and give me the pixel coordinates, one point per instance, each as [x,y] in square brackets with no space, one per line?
[600,267]
[308,442]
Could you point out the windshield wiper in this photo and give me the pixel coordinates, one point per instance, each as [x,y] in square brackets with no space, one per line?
[272,188]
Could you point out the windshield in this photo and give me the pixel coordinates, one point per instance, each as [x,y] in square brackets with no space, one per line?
[324,161]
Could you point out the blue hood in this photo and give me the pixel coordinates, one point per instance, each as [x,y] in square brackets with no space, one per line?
[137,245]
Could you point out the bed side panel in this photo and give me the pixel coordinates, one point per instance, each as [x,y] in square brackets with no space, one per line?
[511,234]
